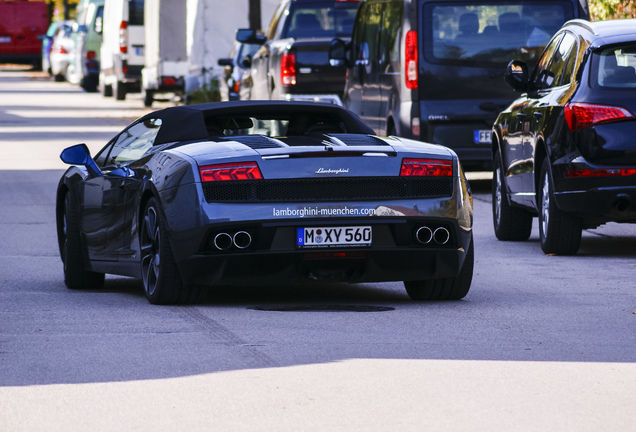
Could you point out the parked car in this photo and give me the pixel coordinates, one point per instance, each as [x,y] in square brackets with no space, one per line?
[564,150]
[432,69]
[62,51]
[122,55]
[88,42]
[264,192]
[47,43]
[293,62]
[23,26]
[238,65]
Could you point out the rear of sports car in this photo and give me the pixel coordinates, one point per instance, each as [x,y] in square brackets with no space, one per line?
[344,207]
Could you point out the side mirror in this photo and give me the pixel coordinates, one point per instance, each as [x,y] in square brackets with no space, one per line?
[338,53]
[247,62]
[250,36]
[80,155]
[226,62]
[516,75]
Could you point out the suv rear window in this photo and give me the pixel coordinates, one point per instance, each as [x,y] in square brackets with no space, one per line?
[490,35]
[616,66]
[321,20]
[136,12]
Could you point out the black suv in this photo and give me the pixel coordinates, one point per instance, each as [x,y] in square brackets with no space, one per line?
[565,149]
[432,69]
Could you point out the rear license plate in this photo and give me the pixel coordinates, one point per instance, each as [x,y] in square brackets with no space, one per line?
[139,50]
[333,236]
[5,39]
[483,136]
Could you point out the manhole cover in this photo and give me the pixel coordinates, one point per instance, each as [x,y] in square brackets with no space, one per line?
[323,308]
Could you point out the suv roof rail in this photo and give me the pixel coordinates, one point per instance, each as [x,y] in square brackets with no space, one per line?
[581,23]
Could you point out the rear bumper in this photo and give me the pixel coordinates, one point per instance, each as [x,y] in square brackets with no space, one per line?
[324,98]
[610,203]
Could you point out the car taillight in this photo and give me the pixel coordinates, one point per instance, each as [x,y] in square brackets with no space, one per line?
[90,55]
[288,69]
[617,172]
[237,86]
[123,37]
[230,171]
[168,80]
[59,49]
[426,167]
[410,60]
[582,115]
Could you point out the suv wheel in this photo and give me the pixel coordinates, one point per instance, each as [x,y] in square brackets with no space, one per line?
[560,232]
[510,223]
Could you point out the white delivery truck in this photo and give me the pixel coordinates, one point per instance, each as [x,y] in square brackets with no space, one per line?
[122,52]
[166,51]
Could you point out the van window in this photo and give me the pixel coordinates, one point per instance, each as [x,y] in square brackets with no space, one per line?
[320,20]
[136,12]
[489,35]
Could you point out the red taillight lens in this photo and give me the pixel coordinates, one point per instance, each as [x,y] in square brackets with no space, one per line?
[90,55]
[123,37]
[230,171]
[237,86]
[426,167]
[168,80]
[288,69]
[59,49]
[582,115]
[410,60]
[600,173]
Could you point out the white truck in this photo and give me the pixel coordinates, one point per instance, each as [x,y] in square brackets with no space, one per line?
[166,59]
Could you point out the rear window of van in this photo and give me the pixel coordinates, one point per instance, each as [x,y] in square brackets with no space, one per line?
[490,35]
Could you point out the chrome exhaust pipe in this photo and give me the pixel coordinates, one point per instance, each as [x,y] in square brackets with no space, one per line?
[441,236]
[424,235]
[242,239]
[222,241]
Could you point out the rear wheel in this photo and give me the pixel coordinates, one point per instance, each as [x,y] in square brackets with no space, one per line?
[107,90]
[120,90]
[510,223]
[148,98]
[162,283]
[454,288]
[75,275]
[560,232]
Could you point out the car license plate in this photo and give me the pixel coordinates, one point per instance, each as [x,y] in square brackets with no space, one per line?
[5,39]
[139,50]
[334,236]
[483,137]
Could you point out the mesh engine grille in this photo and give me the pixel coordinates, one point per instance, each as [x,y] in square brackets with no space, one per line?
[341,189]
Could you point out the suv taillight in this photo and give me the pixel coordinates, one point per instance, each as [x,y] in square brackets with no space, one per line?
[582,115]
[410,60]
[426,167]
[123,37]
[288,69]
[230,171]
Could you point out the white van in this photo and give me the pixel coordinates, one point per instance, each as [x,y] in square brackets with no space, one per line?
[122,52]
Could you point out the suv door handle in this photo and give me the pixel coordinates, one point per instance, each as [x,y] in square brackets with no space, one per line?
[537,114]
[521,115]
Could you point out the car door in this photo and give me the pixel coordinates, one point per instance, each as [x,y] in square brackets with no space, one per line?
[554,88]
[106,217]
[517,159]
[367,66]
[389,81]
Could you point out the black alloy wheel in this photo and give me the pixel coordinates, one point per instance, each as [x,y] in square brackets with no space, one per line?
[75,274]
[454,288]
[510,223]
[560,232]
[161,279]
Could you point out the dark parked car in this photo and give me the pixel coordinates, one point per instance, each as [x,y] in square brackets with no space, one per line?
[238,65]
[565,150]
[432,69]
[262,192]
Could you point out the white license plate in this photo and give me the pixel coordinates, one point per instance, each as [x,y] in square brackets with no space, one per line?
[483,136]
[5,39]
[334,236]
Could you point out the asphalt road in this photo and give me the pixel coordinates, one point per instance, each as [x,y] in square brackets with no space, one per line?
[541,343]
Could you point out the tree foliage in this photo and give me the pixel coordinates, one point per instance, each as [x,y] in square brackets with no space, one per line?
[612,9]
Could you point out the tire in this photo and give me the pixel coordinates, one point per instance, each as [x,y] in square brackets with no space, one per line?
[89,83]
[120,91]
[454,288]
[59,77]
[560,232]
[148,98]
[161,279]
[510,223]
[107,90]
[75,275]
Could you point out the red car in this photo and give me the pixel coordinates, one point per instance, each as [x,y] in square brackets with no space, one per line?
[22,26]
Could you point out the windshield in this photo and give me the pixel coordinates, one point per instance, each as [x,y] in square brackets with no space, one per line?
[491,34]
[320,20]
